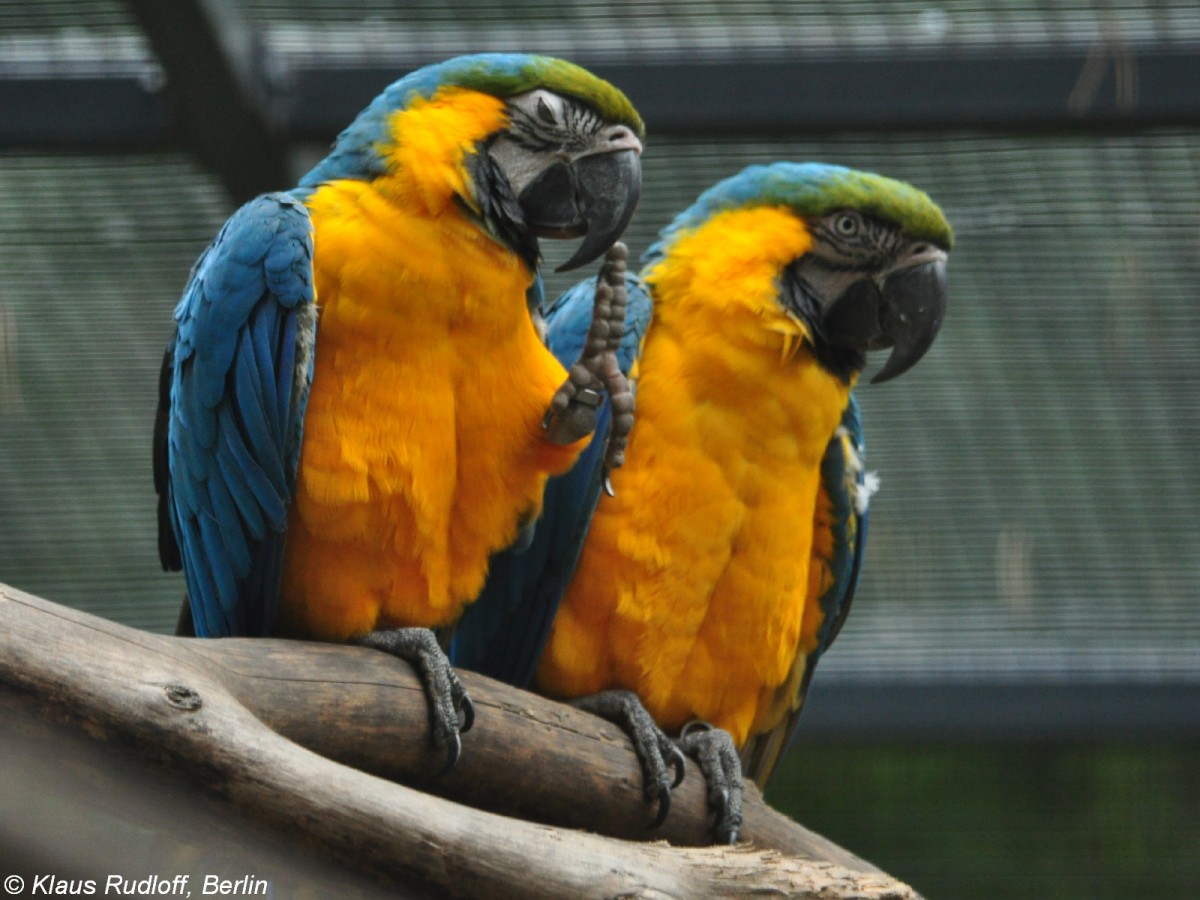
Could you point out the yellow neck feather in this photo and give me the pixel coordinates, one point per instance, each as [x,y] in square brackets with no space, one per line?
[716,301]
[730,267]
[431,139]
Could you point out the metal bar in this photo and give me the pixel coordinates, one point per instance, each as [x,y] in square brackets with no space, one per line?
[81,111]
[1020,711]
[1061,88]
[225,115]
[211,58]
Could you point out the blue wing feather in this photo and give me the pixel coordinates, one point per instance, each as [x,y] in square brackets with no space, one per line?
[845,483]
[236,380]
[225,515]
[504,632]
[285,341]
[247,403]
[233,453]
[249,508]
[264,335]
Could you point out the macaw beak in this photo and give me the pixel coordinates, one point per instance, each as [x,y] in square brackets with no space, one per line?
[594,196]
[905,313]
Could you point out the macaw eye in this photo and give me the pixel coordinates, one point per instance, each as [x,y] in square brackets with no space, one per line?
[846,225]
[545,113]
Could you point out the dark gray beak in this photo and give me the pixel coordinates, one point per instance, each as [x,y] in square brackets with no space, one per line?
[905,314]
[594,197]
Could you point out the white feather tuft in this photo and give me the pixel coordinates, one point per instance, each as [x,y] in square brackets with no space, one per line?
[864,492]
[860,490]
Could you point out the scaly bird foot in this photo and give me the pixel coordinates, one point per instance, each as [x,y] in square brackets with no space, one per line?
[655,751]
[572,412]
[451,712]
[714,751]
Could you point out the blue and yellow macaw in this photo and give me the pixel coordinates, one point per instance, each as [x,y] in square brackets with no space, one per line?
[352,405]
[723,567]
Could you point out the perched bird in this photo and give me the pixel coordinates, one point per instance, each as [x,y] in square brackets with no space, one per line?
[724,565]
[357,408]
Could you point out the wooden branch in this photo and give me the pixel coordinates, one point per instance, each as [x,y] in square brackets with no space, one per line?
[232,713]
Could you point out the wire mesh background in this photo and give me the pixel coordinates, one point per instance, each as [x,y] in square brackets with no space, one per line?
[1037,521]
[1036,518]
[689,27]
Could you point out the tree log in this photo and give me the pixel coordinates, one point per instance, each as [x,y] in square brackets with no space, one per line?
[264,724]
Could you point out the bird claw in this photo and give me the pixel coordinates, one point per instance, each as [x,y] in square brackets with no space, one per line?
[572,412]
[679,763]
[664,807]
[656,753]
[714,752]
[454,751]
[451,712]
[466,715]
[722,803]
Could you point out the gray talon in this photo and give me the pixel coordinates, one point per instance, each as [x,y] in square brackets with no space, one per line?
[714,752]
[664,807]
[572,411]
[679,762]
[451,711]
[455,750]
[656,753]
[466,715]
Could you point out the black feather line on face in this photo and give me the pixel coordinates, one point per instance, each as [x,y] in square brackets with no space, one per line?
[526,133]
[499,209]
[841,362]
[575,134]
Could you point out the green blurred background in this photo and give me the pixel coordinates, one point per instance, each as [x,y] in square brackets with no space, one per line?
[1013,710]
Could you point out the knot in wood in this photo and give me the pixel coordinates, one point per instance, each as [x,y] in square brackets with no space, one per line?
[182,697]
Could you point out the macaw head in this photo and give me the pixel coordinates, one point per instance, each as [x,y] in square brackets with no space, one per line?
[531,145]
[859,260]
